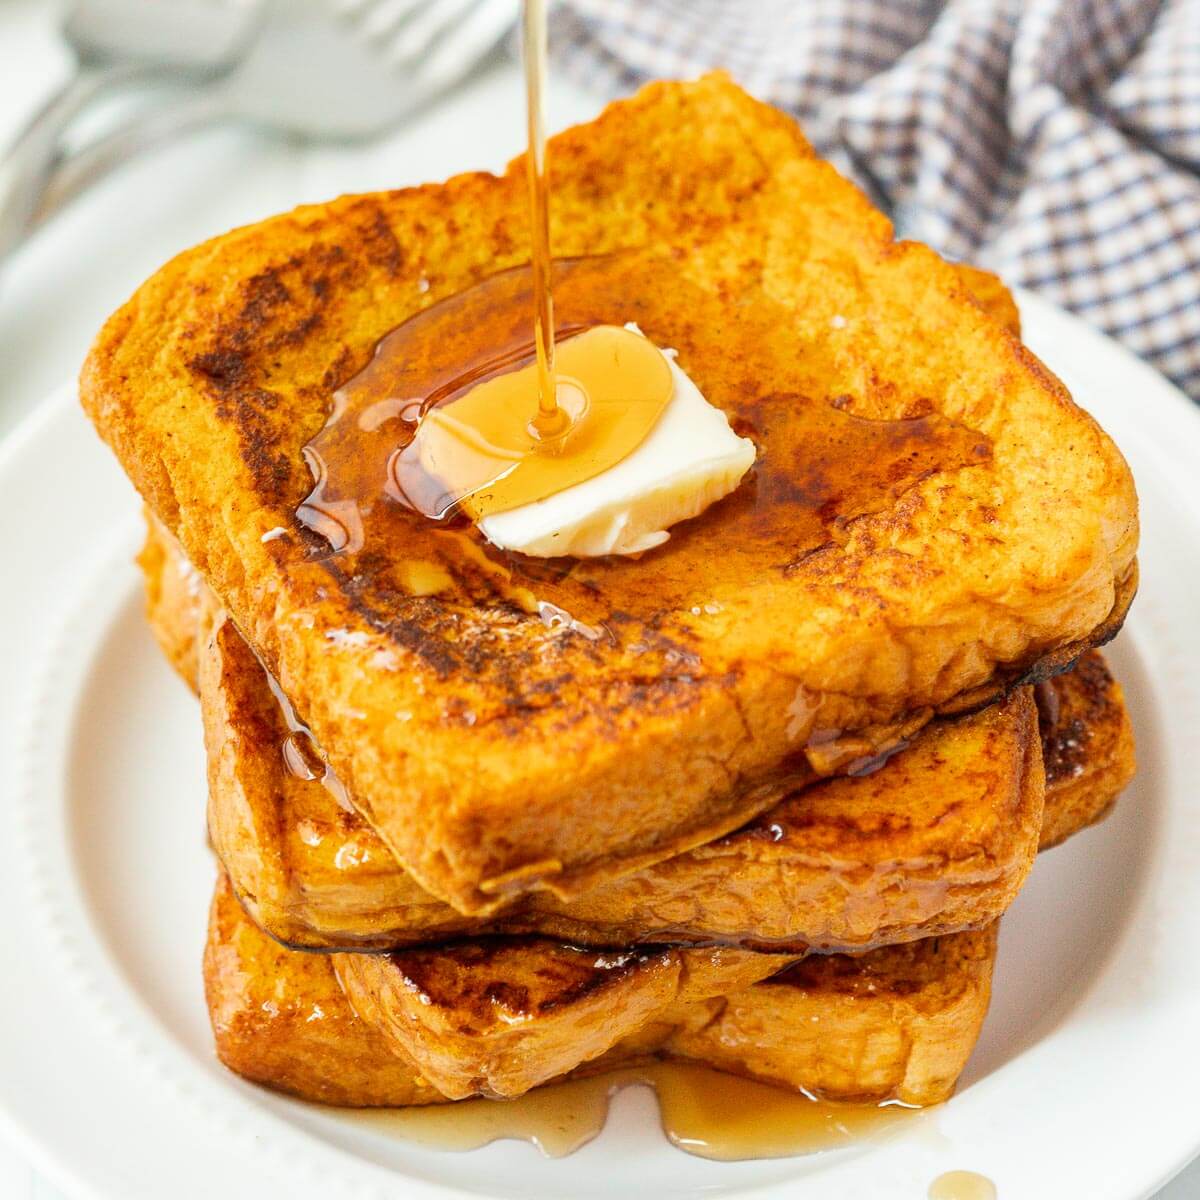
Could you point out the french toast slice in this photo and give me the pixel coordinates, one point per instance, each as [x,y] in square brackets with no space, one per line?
[173,587]
[1088,752]
[498,1016]
[930,519]
[897,1023]
[940,838]
[846,864]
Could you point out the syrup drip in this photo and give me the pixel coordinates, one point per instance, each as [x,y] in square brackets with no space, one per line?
[704,1112]
[823,460]
[302,756]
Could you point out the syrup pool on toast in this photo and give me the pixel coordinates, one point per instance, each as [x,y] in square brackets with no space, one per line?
[821,461]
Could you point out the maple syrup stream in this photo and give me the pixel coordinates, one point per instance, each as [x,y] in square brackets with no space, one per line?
[551,421]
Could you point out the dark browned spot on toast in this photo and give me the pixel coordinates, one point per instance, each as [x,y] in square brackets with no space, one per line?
[523,976]
[1072,714]
[281,307]
[899,970]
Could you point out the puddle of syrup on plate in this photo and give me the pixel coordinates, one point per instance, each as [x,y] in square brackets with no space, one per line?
[704,1112]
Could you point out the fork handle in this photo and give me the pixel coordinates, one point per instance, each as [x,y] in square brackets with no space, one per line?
[89,164]
[30,161]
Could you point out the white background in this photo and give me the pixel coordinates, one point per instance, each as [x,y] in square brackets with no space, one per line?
[57,291]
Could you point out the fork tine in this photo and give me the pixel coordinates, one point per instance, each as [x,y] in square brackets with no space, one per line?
[417,36]
[455,57]
[379,19]
[354,9]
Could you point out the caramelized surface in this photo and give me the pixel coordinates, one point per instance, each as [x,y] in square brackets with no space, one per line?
[893,1023]
[850,862]
[1087,747]
[528,755]
[896,1022]
[498,1016]
[280,1018]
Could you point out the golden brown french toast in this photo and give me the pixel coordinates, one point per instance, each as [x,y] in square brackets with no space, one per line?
[497,1016]
[315,875]
[280,1018]
[930,518]
[848,863]
[988,290]
[896,1023]
[173,587]
[851,862]
[175,595]
[493,1016]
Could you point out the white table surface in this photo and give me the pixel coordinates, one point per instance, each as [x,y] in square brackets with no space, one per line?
[56,292]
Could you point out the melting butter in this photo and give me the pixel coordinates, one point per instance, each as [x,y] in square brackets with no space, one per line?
[688,461]
[481,453]
[645,451]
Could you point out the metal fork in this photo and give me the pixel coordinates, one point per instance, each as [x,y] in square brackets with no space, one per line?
[340,71]
[118,42]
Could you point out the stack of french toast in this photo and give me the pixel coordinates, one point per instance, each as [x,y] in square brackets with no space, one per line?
[757,799]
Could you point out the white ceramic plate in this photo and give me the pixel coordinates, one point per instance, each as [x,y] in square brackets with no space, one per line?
[1083,1083]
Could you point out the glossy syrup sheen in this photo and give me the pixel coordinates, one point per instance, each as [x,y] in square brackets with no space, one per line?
[704,1112]
[821,463]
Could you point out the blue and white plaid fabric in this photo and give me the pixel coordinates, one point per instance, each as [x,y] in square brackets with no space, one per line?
[1056,142]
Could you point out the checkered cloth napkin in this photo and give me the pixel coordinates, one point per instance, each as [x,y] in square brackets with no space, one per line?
[1056,142]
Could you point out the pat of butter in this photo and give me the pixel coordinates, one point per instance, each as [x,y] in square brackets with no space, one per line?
[688,461]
